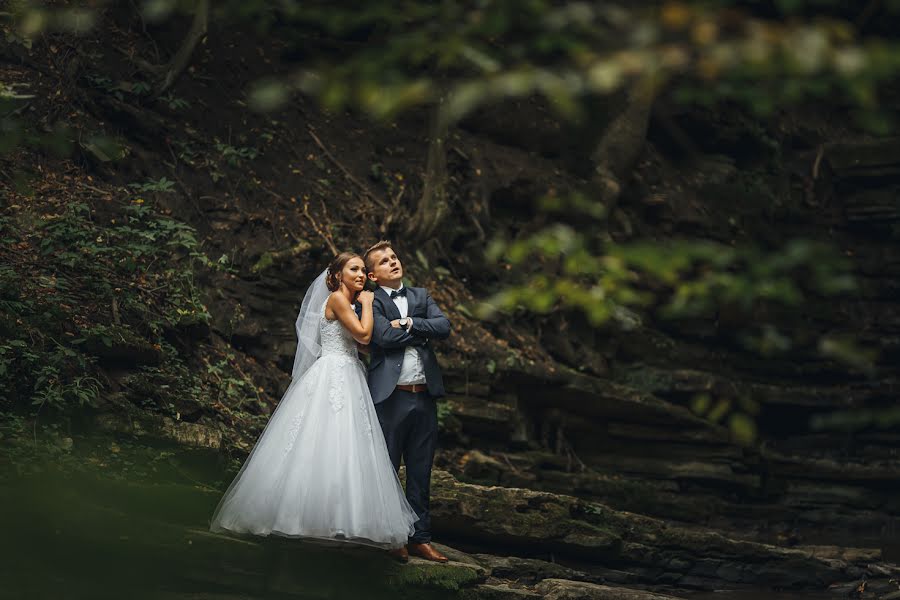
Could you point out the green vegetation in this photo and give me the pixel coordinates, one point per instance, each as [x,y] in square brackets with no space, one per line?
[81,291]
[61,266]
[683,278]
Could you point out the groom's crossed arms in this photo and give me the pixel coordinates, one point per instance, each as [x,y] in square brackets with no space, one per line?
[434,325]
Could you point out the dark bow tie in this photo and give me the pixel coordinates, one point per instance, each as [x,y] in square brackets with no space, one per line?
[400,292]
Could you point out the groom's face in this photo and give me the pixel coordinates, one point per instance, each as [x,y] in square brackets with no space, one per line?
[386,268]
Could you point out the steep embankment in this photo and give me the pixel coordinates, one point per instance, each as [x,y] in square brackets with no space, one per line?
[542,403]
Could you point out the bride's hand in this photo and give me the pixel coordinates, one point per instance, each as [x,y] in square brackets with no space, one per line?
[366,297]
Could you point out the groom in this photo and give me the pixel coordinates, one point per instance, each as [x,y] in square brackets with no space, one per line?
[405,380]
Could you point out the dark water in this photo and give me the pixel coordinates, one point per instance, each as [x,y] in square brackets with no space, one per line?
[118,519]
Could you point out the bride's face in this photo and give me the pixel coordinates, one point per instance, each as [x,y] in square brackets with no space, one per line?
[353,275]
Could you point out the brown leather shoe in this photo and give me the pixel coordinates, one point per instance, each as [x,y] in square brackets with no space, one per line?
[427,552]
[400,554]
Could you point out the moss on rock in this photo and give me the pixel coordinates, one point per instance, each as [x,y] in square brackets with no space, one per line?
[452,576]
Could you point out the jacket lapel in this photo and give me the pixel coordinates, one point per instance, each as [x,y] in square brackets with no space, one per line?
[390,309]
[412,300]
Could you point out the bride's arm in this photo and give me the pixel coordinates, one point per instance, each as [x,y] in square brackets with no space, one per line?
[359,327]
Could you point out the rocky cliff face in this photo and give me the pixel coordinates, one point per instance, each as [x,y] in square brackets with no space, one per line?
[623,432]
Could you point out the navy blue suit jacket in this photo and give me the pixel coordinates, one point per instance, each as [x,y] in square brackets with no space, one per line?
[389,343]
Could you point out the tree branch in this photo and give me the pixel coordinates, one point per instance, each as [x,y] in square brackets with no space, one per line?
[363,187]
[182,57]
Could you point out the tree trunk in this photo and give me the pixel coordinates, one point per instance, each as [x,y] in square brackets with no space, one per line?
[432,207]
[622,141]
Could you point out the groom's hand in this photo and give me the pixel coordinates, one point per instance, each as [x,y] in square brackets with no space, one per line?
[387,335]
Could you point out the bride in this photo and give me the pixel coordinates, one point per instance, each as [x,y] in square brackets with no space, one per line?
[321,467]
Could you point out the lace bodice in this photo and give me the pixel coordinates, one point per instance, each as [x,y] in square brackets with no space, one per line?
[336,339]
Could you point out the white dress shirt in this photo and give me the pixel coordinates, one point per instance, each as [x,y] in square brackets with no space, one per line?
[412,371]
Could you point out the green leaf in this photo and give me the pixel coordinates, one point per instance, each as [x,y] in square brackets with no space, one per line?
[422,259]
[743,428]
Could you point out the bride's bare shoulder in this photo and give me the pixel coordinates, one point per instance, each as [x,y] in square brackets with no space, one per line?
[337,299]
[336,302]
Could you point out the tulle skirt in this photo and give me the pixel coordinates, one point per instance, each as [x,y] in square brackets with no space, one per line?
[321,468]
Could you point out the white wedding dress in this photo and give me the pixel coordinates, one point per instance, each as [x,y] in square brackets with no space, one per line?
[321,468]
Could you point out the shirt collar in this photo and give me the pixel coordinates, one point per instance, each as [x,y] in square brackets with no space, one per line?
[388,290]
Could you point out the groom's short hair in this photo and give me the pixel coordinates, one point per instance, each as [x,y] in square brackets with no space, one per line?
[378,246]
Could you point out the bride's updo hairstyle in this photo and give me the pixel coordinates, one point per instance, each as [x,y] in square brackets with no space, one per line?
[333,278]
